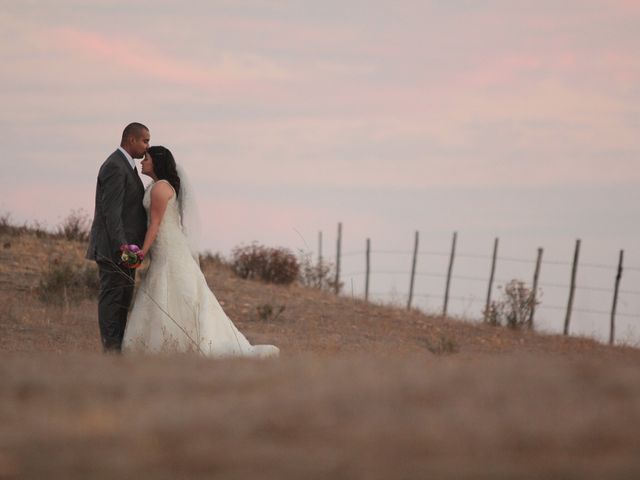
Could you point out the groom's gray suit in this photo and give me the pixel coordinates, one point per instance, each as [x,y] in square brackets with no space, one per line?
[119,219]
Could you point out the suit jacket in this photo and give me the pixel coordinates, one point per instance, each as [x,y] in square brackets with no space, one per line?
[119,216]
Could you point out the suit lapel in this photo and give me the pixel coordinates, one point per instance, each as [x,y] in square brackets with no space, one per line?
[132,171]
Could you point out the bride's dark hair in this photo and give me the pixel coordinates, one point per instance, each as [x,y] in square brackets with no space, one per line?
[164,166]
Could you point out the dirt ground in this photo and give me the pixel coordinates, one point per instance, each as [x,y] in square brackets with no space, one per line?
[360,391]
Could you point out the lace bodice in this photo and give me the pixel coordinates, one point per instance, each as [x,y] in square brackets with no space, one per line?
[170,239]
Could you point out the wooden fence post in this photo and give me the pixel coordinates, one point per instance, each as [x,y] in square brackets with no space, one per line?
[574,269]
[366,284]
[320,274]
[615,300]
[413,270]
[446,292]
[338,253]
[534,290]
[493,271]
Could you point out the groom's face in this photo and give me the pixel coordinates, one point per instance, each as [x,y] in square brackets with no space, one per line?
[139,145]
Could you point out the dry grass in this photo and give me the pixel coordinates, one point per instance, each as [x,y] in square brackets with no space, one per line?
[312,320]
[309,417]
[361,391]
[26,323]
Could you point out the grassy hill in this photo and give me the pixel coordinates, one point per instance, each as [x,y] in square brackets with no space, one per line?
[360,391]
[312,321]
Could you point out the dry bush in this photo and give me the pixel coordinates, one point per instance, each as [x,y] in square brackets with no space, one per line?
[266,311]
[76,226]
[444,345]
[316,274]
[6,226]
[67,281]
[208,259]
[9,227]
[514,308]
[273,265]
[39,229]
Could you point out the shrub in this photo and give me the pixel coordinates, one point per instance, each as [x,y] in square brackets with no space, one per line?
[315,274]
[39,229]
[8,227]
[67,282]
[76,226]
[514,308]
[214,259]
[273,265]
[444,345]
[266,311]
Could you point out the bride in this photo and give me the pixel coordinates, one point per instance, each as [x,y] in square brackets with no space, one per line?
[174,310]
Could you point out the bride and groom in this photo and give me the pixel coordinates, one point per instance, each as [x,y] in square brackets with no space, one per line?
[173,310]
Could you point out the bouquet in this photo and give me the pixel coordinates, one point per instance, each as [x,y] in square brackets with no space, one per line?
[131,256]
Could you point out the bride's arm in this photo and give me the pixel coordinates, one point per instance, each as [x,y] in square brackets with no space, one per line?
[161,192]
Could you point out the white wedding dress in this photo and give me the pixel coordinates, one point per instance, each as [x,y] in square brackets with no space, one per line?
[173,309]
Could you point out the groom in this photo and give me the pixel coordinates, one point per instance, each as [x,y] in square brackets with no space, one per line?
[119,219]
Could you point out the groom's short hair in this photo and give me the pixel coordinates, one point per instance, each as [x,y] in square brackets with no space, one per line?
[135,130]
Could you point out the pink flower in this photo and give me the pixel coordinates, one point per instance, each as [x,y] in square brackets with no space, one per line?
[131,255]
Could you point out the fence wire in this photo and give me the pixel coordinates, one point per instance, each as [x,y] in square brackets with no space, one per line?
[486,257]
[496,281]
[485,280]
[473,300]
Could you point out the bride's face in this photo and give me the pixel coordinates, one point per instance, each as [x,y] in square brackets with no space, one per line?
[147,165]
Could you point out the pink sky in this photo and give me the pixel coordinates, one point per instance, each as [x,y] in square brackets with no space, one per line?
[388,116]
[408,94]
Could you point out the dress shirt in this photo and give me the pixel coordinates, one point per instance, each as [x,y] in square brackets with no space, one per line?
[128,157]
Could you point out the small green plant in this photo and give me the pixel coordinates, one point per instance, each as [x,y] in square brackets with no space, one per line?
[273,265]
[66,282]
[267,312]
[514,308]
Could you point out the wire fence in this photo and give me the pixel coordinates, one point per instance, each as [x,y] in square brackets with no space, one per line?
[448,276]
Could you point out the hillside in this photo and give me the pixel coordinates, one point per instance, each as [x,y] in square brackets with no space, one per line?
[312,321]
[361,391]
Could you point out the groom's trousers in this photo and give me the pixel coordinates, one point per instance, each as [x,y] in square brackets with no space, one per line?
[116,292]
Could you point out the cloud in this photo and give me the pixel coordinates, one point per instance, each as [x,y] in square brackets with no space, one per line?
[280,94]
[133,55]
